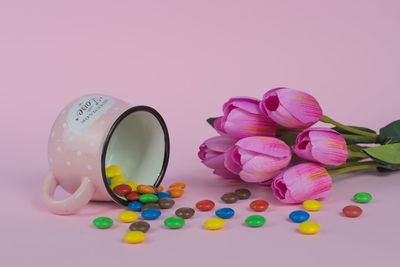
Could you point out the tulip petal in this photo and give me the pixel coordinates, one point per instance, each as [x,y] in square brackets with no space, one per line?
[248,104]
[239,123]
[225,173]
[232,160]
[328,147]
[270,146]
[220,143]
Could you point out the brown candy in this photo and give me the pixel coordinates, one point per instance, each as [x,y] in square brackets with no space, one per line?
[184,213]
[229,197]
[146,189]
[166,203]
[122,189]
[150,206]
[132,196]
[243,193]
[352,211]
[141,226]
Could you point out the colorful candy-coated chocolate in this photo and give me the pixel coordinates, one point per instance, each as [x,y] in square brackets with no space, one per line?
[103,222]
[160,188]
[225,213]
[151,206]
[229,197]
[108,181]
[118,179]
[352,211]
[243,193]
[185,213]
[176,192]
[166,203]
[112,171]
[161,195]
[132,184]
[174,222]
[145,189]
[259,205]
[178,185]
[113,185]
[140,226]
[362,197]
[309,227]
[134,237]
[128,216]
[151,214]
[132,196]
[312,205]
[255,221]
[205,205]
[148,198]
[214,223]
[135,205]
[122,189]
[299,216]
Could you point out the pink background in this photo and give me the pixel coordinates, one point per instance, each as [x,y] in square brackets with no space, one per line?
[186,58]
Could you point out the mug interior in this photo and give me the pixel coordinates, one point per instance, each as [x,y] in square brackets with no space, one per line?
[138,142]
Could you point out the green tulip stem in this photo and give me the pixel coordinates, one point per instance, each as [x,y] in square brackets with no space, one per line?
[354,154]
[326,119]
[354,166]
[358,139]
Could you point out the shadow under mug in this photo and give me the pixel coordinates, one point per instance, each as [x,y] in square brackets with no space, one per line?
[96,131]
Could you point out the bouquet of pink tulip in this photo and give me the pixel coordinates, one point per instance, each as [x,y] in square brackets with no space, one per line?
[257,138]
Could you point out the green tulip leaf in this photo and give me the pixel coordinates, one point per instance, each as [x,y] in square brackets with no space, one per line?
[390,133]
[385,154]
[211,121]
[356,148]
[340,130]
[289,139]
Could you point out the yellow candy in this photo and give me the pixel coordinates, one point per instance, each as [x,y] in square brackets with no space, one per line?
[312,205]
[112,171]
[134,237]
[132,184]
[214,223]
[112,185]
[309,227]
[117,179]
[128,216]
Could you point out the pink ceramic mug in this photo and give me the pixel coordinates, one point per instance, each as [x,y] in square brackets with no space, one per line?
[96,131]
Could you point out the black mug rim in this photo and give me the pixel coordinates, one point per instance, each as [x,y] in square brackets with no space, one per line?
[108,138]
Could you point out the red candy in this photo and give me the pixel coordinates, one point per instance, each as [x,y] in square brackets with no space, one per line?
[205,205]
[132,196]
[352,211]
[259,205]
[122,189]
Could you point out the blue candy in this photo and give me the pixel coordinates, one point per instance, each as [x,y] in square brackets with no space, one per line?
[225,213]
[108,181]
[151,214]
[161,195]
[135,205]
[299,216]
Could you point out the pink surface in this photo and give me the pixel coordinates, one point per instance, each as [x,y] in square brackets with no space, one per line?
[186,58]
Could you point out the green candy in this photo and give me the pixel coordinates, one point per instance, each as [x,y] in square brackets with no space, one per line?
[362,197]
[174,222]
[103,222]
[148,198]
[255,221]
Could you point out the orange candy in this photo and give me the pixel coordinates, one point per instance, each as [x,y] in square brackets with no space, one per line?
[179,185]
[176,192]
[160,188]
[145,189]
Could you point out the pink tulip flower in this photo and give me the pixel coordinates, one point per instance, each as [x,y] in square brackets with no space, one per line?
[257,159]
[243,118]
[302,182]
[211,152]
[291,108]
[321,145]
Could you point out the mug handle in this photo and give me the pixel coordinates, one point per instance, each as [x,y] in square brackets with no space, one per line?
[72,203]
